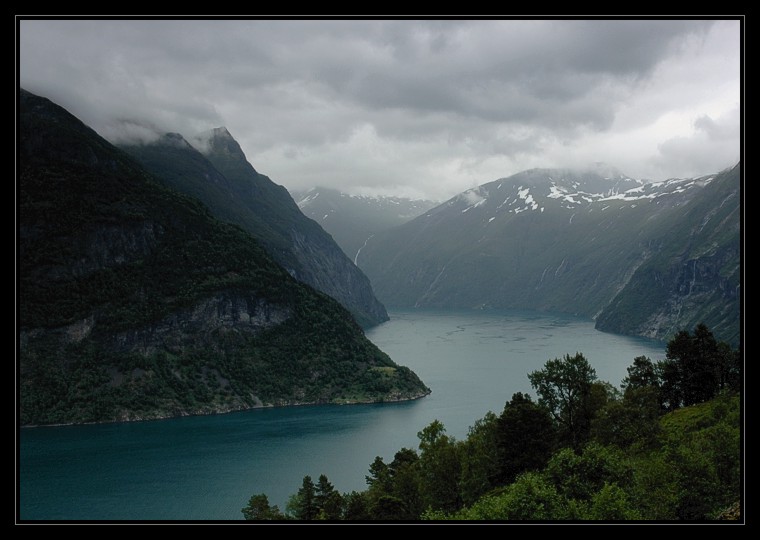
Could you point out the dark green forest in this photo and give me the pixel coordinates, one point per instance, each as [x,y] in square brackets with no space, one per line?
[136,303]
[664,446]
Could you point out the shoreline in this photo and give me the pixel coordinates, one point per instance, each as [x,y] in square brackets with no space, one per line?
[184,414]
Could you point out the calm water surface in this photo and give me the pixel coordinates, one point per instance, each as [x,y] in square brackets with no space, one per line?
[207,467]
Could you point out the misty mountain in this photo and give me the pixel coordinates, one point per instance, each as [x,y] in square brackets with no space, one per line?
[353,219]
[135,302]
[642,258]
[213,168]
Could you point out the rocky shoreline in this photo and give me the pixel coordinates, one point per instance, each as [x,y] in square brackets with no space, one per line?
[227,410]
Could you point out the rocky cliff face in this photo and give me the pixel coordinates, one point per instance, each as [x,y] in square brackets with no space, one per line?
[225,314]
[214,168]
[694,274]
[325,267]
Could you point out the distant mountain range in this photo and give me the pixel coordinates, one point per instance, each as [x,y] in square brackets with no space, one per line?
[213,168]
[135,302]
[644,259]
[353,219]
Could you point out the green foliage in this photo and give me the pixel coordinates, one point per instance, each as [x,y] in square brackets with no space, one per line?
[580,476]
[235,192]
[440,468]
[480,459]
[636,465]
[303,505]
[258,509]
[530,498]
[641,374]
[134,301]
[564,387]
[611,503]
[388,508]
[394,490]
[655,487]
[633,421]
[329,501]
[525,437]
[697,368]
[356,506]
[405,474]
[703,446]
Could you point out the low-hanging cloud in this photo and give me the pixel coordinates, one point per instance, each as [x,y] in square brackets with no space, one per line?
[702,151]
[433,107]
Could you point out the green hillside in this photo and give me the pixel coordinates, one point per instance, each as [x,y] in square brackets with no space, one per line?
[134,302]
[218,173]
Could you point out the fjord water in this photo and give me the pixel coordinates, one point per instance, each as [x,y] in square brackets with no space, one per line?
[206,467]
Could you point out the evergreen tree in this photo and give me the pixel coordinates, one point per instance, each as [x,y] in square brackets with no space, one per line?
[356,507]
[327,500]
[697,368]
[379,478]
[258,509]
[697,356]
[304,505]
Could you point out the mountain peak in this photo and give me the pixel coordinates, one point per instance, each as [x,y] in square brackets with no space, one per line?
[174,139]
[221,132]
[218,141]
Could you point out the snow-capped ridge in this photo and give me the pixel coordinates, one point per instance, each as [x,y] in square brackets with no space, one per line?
[534,189]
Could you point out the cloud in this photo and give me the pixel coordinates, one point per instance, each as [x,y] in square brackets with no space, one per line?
[703,150]
[432,107]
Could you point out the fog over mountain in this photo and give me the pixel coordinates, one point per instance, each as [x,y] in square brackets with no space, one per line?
[353,220]
[641,258]
[223,179]
[410,108]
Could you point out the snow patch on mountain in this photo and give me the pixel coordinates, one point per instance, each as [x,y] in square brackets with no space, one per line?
[525,195]
[307,199]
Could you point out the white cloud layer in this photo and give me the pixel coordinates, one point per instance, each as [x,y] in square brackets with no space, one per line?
[425,108]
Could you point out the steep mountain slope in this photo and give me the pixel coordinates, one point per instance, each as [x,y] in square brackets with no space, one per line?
[353,219]
[555,240]
[694,275]
[134,302]
[213,168]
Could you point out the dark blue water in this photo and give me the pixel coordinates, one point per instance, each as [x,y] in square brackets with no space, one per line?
[207,467]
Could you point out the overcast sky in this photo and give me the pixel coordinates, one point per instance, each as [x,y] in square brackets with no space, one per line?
[419,108]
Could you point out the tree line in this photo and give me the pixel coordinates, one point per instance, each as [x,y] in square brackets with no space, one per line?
[665,446]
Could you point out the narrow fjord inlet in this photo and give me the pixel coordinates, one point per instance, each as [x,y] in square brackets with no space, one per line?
[496,275]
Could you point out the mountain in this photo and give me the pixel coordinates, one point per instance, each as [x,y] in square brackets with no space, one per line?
[213,168]
[692,275]
[352,219]
[642,258]
[134,302]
